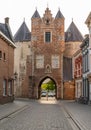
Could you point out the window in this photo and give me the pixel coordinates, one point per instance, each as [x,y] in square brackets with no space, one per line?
[10,88]
[55,61]
[4,56]
[4,87]
[0,54]
[85,62]
[47,21]
[39,61]
[47,37]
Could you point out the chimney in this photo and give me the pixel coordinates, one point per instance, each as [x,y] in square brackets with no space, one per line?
[7,20]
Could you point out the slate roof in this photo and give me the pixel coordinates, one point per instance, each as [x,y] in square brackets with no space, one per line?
[5,29]
[36,14]
[67,69]
[23,34]
[73,34]
[59,14]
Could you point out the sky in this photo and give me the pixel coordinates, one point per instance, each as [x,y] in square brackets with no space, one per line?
[18,10]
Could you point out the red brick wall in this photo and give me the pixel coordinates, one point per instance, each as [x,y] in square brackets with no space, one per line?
[69,90]
[56,47]
[78,66]
[6,68]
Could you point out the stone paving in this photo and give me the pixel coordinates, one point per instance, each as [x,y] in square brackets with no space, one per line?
[46,115]
[38,115]
[10,108]
[80,113]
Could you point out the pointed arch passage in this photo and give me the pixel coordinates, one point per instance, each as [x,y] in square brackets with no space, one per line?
[47,88]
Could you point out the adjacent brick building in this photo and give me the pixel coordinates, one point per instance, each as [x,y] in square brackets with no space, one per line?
[88,55]
[6,63]
[77,72]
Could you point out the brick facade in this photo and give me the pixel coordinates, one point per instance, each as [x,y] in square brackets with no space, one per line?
[55,26]
[77,72]
[44,59]
[69,90]
[6,70]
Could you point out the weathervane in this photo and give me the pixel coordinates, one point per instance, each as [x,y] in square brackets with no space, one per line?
[47,4]
[24,19]
[36,7]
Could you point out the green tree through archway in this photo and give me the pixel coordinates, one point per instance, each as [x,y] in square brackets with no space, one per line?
[48,86]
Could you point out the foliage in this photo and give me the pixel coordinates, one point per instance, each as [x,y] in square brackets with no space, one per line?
[48,86]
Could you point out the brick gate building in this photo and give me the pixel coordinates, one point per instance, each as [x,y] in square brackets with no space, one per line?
[46,53]
[47,40]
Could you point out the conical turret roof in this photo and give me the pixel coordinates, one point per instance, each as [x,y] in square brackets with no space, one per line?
[23,33]
[36,14]
[73,34]
[59,14]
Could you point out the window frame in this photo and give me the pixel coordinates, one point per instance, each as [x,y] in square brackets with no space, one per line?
[4,56]
[10,85]
[39,61]
[0,55]
[55,61]
[4,87]
[48,37]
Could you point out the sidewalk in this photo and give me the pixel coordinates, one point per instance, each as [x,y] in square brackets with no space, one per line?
[10,108]
[80,113]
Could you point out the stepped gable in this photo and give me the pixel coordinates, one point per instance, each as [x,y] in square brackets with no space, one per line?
[23,34]
[59,14]
[5,29]
[73,34]
[36,14]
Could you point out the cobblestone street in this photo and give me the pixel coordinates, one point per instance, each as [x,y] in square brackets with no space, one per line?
[37,115]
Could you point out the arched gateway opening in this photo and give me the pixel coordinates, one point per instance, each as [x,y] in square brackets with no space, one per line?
[47,88]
